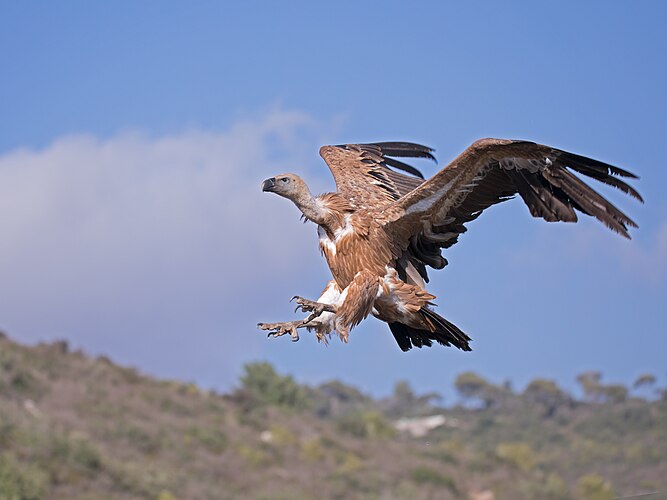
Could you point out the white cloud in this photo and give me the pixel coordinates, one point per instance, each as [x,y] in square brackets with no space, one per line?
[136,244]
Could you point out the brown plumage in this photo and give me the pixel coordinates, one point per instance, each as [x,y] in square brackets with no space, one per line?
[382,229]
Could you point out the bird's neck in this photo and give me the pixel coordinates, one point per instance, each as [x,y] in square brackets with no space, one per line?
[327,210]
[312,208]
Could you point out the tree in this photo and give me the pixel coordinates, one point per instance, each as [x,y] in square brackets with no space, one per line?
[470,385]
[646,379]
[645,384]
[261,382]
[335,398]
[596,392]
[547,394]
[473,387]
[614,393]
[404,402]
[590,384]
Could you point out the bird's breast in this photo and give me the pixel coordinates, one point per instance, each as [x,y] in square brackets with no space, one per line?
[347,252]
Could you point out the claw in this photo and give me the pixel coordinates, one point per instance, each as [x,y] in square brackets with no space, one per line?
[279,329]
[310,318]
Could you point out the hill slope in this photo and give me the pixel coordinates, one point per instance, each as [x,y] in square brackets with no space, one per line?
[76,427]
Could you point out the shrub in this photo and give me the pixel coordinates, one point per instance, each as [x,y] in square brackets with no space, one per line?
[262,383]
[213,439]
[20,481]
[555,488]
[594,487]
[550,488]
[350,463]
[138,438]
[519,455]
[312,450]
[253,456]
[369,424]
[427,475]
[75,449]
[282,436]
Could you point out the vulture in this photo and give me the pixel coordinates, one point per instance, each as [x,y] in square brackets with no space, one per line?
[385,225]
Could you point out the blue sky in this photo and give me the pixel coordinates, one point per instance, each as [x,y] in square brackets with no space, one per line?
[134,136]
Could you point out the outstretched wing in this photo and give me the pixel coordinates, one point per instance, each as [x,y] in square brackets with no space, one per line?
[365,175]
[433,215]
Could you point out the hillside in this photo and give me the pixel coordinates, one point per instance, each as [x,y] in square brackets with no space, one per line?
[76,427]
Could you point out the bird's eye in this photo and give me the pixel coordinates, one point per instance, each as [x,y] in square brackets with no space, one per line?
[285,180]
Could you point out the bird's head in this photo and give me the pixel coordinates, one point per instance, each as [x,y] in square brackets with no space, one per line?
[289,186]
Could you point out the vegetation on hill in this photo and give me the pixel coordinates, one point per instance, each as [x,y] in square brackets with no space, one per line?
[76,427]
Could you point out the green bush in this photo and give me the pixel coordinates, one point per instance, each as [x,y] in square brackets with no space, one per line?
[264,385]
[213,439]
[282,436]
[253,456]
[75,449]
[312,450]
[21,481]
[449,451]
[519,455]
[555,488]
[427,475]
[138,438]
[166,495]
[369,424]
[594,487]
[350,463]
[551,487]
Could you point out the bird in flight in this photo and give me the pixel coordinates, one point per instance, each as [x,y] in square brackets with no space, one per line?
[382,228]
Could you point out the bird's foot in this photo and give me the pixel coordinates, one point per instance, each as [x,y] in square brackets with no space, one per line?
[279,329]
[314,308]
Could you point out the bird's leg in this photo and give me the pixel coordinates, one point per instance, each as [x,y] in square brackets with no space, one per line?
[321,318]
[279,329]
[358,303]
[313,307]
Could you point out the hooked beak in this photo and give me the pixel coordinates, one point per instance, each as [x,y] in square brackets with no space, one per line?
[269,184]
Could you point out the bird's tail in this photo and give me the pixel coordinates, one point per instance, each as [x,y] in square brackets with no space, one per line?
[444,333]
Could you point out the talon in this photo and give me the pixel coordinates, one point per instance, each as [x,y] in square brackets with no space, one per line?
[278,329]
[310,318]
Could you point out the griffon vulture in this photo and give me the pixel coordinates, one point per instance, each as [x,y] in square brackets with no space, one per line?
[382,229]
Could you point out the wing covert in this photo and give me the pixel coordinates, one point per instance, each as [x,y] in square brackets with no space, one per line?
[366,173]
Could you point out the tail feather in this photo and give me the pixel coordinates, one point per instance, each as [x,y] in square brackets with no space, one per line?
[445,333]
